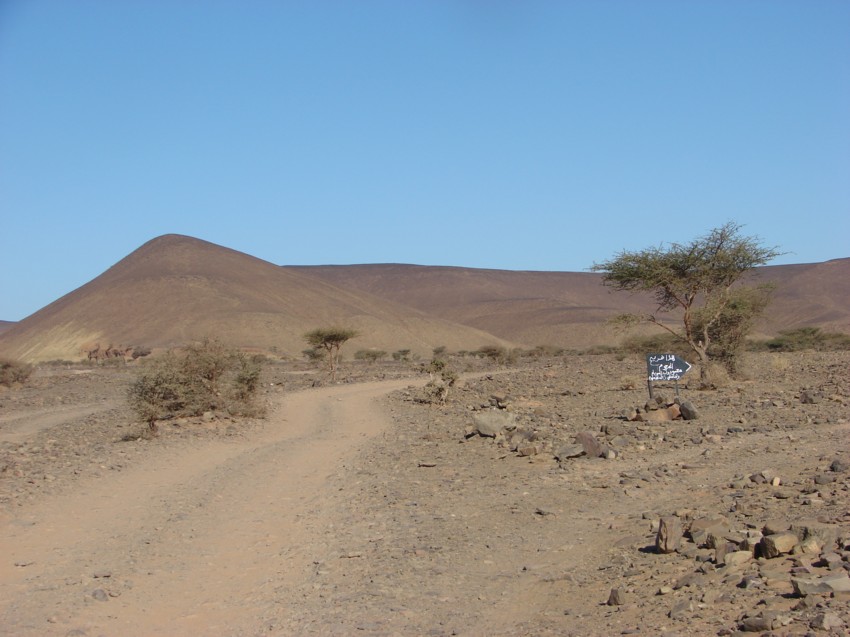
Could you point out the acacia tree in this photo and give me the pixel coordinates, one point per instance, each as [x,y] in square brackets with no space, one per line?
[696,279]
[330,339]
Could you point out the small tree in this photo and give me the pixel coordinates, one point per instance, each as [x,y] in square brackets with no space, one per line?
[330,339]
[696,279]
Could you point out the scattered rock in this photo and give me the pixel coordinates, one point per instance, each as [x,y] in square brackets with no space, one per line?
[490,423]
[778,544]
[669,536]
[688,410]
[589,443]
[617,597]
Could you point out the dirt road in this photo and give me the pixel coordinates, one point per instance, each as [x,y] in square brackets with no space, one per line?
[346,513]
[190,543]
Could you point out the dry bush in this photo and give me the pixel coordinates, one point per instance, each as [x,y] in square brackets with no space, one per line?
[370,355]
[207,376]
[629,382]
[14,372]
[780,363]
[805,338]
[443,378]
[714,375]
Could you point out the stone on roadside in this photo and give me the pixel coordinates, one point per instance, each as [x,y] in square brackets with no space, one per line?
[756,624]
[778,544]
[836,583]
[669,536]
[825,534]
[839,466]
[809,397]
[569,451]
[589,443]
[656,415]
[617,597]
[771,527]
[827,621]
[737,558]
[689,411]
[490,423]
[680,610]
[520,437]
[526,449]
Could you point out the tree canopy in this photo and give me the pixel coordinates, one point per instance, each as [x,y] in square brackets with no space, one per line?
[696,278]
[331,339]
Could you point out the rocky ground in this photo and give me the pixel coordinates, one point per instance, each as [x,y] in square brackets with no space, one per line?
[528,504]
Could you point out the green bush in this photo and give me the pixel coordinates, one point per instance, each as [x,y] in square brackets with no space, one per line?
[442,380]
[370,355]
[401,355]
[805,338]
[546,351]
[661,343]
[206,376]
[13,372]
[140,352]
[313,354]
[495,353]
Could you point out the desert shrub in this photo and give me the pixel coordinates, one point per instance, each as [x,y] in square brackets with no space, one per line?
[443,378]
[246,379]
[140,352]
[780,363]
[656,344]
[440,350]
[806,338]
[13,372]
[545,351]
[401,355]
[495,353]
[371,355]
[630,382]
[313,354]
[206,376]
[599,350]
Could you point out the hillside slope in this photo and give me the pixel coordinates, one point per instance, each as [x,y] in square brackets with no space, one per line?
[175,289]
[569,308]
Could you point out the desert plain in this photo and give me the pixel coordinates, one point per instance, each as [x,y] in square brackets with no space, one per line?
[358,507]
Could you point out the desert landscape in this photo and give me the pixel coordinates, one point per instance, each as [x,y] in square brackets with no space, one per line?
[547,495]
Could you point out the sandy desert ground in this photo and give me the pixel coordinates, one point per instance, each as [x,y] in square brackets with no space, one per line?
[357,508]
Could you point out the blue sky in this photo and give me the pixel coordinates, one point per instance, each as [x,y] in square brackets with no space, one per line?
[527,135]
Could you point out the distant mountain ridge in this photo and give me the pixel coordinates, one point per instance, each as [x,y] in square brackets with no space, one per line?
[175,289]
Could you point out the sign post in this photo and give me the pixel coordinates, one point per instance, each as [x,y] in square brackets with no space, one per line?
[665,367]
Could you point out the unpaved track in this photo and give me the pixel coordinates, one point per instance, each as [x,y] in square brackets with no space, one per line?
[19,427]
[195,542]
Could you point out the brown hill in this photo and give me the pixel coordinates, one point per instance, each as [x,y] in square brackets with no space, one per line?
[811,294]
[568,309]
[175,289]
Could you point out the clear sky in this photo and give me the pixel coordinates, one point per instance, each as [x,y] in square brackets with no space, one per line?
[524,135]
